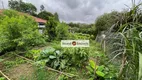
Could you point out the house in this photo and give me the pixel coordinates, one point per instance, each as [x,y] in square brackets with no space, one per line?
[41,22]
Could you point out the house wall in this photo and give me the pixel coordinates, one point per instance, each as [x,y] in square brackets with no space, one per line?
[41,27]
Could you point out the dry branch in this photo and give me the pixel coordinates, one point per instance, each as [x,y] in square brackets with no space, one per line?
[4,75]
[48,68]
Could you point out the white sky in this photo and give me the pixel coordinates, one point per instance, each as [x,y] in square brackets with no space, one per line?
[85,11]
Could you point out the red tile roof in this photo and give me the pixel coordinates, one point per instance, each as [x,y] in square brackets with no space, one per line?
[1,11]
[40,20]
[36,18]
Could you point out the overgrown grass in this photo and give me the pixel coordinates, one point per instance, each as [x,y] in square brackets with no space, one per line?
[41,74]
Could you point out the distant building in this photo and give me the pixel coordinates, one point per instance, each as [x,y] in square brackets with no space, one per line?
[41,22]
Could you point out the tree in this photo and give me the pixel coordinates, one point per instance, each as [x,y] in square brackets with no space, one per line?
[56,16]
[42,8]
[51,28]
[62,31]
[13,5]
[45,15]
[22,6]
[106,21]
[18,31]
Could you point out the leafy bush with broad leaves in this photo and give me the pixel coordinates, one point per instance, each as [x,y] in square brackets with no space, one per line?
[18,31]
[61,58]
[102,72]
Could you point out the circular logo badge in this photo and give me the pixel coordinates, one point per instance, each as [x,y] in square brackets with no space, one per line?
[73,43]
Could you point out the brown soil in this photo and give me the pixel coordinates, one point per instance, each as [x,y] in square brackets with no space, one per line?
[1,66]
[23,70]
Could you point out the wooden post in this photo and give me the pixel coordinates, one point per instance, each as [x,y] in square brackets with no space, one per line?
[104,43]
[140,66]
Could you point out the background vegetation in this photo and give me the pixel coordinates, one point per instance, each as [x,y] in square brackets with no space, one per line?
[114,52]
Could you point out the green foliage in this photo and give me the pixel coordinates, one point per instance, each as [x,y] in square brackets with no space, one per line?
[56,16]
[81,28]
[1,60]
[40,74]
[51,28]
[106,21]
[9,64]
[62,58]
[74,36]
[45,15]
[32,54]
[100,72]
[56,30]
[42,8]
[130,35]
[76,56]
[43,74]
[62,31]
[2,78]
[18,31]
[62,77]
[22,6]
[130,30]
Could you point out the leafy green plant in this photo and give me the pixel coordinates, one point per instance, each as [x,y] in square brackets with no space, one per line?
[100,72]
[2,78]
[53,58]
[62,58]
[33,54]
[76,56]
[62,77]
[16,62]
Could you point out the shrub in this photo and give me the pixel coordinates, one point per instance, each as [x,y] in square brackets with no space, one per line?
[62,31]
[62,58]
[51,29]
[18,31]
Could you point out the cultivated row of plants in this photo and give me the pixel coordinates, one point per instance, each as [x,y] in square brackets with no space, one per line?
[74,60]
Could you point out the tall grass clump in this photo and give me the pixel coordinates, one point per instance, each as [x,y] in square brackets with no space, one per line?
[130,30]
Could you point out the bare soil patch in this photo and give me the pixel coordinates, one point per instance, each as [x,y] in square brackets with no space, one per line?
[17,72]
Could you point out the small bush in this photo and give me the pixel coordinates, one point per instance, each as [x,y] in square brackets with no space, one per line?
[18,31]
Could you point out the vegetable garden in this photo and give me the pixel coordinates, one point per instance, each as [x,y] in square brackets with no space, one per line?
[115,51]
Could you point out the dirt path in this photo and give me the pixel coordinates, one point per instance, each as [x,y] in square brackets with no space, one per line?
[23,70]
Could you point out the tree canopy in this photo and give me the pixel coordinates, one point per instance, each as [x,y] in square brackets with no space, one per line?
[22,6]
[56,16]
[42,8]
[107,20]
[51,28]
[45,15]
